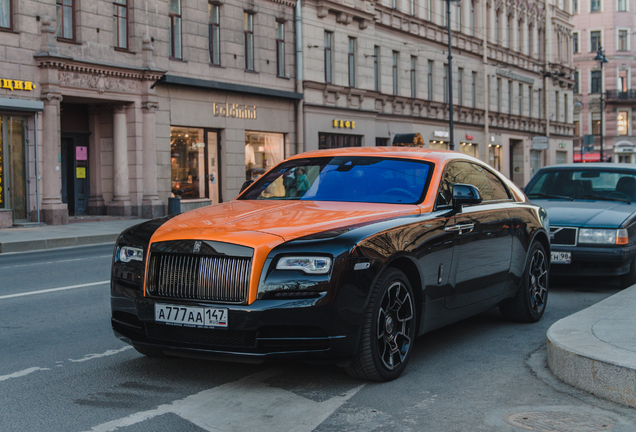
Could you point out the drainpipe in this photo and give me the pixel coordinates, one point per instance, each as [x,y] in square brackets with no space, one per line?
[300,147]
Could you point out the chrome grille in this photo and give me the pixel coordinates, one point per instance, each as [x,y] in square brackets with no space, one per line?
[563,236]
[196,277]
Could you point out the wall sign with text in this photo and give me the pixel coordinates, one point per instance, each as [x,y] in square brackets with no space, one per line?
[346,124]
[234,111]
[11,84]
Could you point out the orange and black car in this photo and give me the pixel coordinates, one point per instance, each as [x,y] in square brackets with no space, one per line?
[343,255]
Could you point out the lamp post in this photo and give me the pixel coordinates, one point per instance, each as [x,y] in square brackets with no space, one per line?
[451,145]
[600,57]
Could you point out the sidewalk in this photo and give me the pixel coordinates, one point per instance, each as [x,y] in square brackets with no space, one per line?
[56,236]
[595,349]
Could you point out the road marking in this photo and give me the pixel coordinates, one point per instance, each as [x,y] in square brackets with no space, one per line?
[55,262]
[246,404]
[22,373]
[88,357]
[53,290]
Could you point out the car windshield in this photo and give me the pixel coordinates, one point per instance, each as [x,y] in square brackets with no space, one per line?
[347,178]
[585,184]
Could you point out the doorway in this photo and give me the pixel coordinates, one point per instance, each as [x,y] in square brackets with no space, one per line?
[75,184]
[13,166]
[516,162]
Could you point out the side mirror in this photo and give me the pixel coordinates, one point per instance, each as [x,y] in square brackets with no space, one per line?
[465,194]
[246,185]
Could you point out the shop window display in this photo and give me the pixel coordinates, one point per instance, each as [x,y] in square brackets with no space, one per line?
[262,152]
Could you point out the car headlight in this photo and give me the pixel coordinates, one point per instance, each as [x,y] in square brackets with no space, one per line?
[129,253]
[307,264]
[603,236]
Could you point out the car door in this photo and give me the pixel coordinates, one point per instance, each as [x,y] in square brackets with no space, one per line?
[482,241]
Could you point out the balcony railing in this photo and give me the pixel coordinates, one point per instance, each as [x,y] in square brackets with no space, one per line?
[616,95]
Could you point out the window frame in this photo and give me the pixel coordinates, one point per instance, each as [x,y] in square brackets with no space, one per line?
[474,88]
[395,62]
[116,18]
[472,18]
[351,62]
[510,97]
[376,68]
[431,66]
[10,26]
[618,39]
[460,86]
[596,6]
[625,5]
[213,43]
[248,36]
[576,42]
[172,43]
[445,83]
[520,102]
[280,46]
[577,84]
[596,76]
[628,113]
[600,40]
[328,56]
[60,25]
[413,76]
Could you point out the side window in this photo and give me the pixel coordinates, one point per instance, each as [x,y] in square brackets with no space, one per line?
[462,173]
[497,188]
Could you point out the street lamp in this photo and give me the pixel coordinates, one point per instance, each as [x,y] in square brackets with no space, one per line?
[450,71]
[600,57]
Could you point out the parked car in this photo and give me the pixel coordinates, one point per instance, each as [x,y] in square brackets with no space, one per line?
[592,213]
[368,249]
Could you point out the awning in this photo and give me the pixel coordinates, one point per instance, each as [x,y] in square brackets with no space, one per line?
[26,105]
[592,157]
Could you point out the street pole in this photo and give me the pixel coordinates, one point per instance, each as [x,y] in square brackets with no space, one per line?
[451,145]
[600,57]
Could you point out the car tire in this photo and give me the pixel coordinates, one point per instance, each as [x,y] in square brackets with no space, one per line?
[150,352]
[629,278]
[529,304]
[388,331]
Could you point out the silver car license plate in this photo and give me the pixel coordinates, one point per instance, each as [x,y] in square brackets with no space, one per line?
[191,316]
[561,257]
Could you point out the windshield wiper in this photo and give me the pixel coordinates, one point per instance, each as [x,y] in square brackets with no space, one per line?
[603,198]
[544,195]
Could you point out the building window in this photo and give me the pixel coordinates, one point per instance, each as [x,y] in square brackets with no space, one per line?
[329,140]
[460,86]
[530,40]
[498,94]
[5,14]
[429,10]
[458,14]
[473,86]
[381,142]
[494,156]
[65,19]
[595,41]
[376,68]
[472,17]
[120,24]
[557,107]
[174,41]
[262,152]
[520,99]
[280,49]
[412,7]
[328,54]
[430,80]
[394,4]
[352,62]
[577,127]
[576,83]
[622,80]
[596,82]
[444,14]
[509,35]
[509,96]
[520,36]
[445,83]
[530,95]
[622,5]
[248,29]
[622,40]
[623,122]
[413,77]
[575,6]
[540,102]
[395,71]
[215,34]
[595,5]
[596,123]
[497,30]
[575,42]
[566,107]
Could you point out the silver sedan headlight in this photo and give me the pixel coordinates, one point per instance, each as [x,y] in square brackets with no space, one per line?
[307,264]
[602,236]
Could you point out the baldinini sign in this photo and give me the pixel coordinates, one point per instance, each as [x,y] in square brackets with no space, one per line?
[234,111]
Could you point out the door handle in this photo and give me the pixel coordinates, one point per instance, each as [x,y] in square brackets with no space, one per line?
[461,228]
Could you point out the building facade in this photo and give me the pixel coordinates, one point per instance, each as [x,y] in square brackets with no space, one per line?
[607,25]
[374,69]
[134,102]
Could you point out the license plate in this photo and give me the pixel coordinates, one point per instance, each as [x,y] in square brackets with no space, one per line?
[191,316]
[561,257]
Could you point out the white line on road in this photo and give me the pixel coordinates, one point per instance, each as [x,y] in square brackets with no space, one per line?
[246,404]
[22,373]
[53,290]
[88,357]
[55,262]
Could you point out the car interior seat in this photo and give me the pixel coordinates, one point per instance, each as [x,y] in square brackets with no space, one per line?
[627,186]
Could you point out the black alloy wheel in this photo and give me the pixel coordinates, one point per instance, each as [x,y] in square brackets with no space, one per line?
[531,299]
[388,331]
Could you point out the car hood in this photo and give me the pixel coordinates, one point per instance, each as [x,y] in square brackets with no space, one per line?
[286,220]
[587,214]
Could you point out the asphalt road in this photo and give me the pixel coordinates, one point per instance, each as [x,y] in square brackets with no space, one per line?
[61,369]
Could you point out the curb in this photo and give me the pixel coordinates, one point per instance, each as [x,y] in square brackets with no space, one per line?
[579,358]
[33,245]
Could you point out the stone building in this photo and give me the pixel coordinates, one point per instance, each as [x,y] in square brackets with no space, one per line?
[134,101]
[374,69]
[608,25]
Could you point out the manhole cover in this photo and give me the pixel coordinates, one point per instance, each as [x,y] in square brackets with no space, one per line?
[559,422]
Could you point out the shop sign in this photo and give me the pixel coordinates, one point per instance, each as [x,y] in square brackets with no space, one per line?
[563,145]
[234,111]
[11,84]
[470,137]
[346,124]
[624,149]
[540,143]
[441,134]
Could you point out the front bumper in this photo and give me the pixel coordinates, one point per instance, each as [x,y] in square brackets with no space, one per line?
[307,329]
[594,261]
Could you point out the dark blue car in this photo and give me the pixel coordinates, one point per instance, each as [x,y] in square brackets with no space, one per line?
[592,213]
